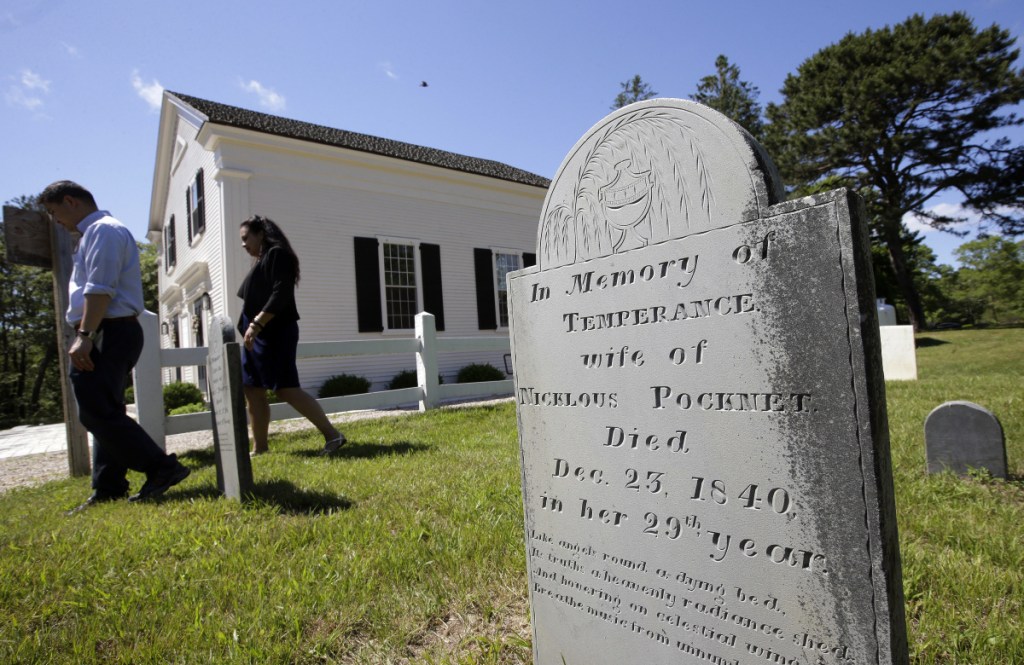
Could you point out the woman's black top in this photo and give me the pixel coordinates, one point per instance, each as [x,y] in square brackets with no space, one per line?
[270,287]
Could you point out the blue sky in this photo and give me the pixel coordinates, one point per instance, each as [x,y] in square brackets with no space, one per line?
[518,82]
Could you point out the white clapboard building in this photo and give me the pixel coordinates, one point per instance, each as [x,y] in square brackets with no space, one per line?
[383,230]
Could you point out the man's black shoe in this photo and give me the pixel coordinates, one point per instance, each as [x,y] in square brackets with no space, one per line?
[94,500]
[162,480]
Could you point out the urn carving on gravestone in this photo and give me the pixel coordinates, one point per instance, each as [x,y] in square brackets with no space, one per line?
[701,409]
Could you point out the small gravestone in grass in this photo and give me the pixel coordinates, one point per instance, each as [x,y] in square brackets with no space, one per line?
[701,409]
[960,436]
[230,437]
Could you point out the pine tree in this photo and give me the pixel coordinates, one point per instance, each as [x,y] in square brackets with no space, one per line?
[633,90]
[726,93]
[907,112]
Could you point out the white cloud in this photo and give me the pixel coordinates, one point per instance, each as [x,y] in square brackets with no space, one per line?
[27,91]
[152,93]
[388,70]
[268,97]
[915,223]
[71,50]
[16,96]
[33,81]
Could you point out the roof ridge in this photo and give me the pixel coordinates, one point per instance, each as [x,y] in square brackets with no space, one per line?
[234,116]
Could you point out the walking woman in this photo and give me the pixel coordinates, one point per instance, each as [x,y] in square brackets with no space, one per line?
[269,324]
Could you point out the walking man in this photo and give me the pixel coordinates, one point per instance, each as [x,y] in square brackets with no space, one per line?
[105,300]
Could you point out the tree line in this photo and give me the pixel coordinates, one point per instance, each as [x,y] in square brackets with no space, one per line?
[901,115]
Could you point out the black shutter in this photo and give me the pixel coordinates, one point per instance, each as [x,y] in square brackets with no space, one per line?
[529,259]
[368,285]
[170,249]
[201,203]
[188,210]
[433,299]
[483,265]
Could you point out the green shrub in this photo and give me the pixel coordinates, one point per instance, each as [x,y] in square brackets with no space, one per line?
[479,372]
[198,407]
[344,384]
[272,397]
[180,394]
[129,395]
[404,379]
[408,379]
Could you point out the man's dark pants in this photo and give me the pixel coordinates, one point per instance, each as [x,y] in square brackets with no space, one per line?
[119,443]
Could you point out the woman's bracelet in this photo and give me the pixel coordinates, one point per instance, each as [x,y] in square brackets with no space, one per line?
[257,324]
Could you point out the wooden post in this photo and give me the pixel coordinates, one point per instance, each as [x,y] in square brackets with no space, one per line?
[61,249]
[426,361]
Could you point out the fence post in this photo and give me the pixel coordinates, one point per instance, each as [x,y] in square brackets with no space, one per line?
[426,361]
[149,397]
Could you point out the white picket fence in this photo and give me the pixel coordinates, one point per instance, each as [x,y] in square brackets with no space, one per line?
[428,394]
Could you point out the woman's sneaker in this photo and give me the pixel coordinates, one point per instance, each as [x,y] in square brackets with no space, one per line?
[332,446]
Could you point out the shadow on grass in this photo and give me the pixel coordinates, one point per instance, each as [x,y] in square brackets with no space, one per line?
[352,450]
[293,500]
[923,342]
[198,458]
[280,494]
[201,493]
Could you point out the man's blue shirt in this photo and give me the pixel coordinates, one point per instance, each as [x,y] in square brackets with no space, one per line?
[106,262]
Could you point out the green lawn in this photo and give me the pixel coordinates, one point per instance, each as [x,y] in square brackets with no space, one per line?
[961,541]
[408,546]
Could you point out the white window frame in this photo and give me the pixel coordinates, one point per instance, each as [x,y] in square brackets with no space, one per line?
[495,251]
[418,275]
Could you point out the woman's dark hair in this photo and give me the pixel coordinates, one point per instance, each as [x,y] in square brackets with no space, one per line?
[273,236]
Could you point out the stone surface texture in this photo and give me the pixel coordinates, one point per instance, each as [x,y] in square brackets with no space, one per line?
[701,409]
[230,436]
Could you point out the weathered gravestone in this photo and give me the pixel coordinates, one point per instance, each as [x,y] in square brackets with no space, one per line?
[706,473]
[959,436]
[230,438]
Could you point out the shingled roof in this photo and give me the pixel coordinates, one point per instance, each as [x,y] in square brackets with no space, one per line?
[232,116]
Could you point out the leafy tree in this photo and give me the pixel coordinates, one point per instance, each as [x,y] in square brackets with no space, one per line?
[725,92]
[907,112]
[633,90]
[150,276]
[992,275]
[940,295]
[923,271]
[29,367]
